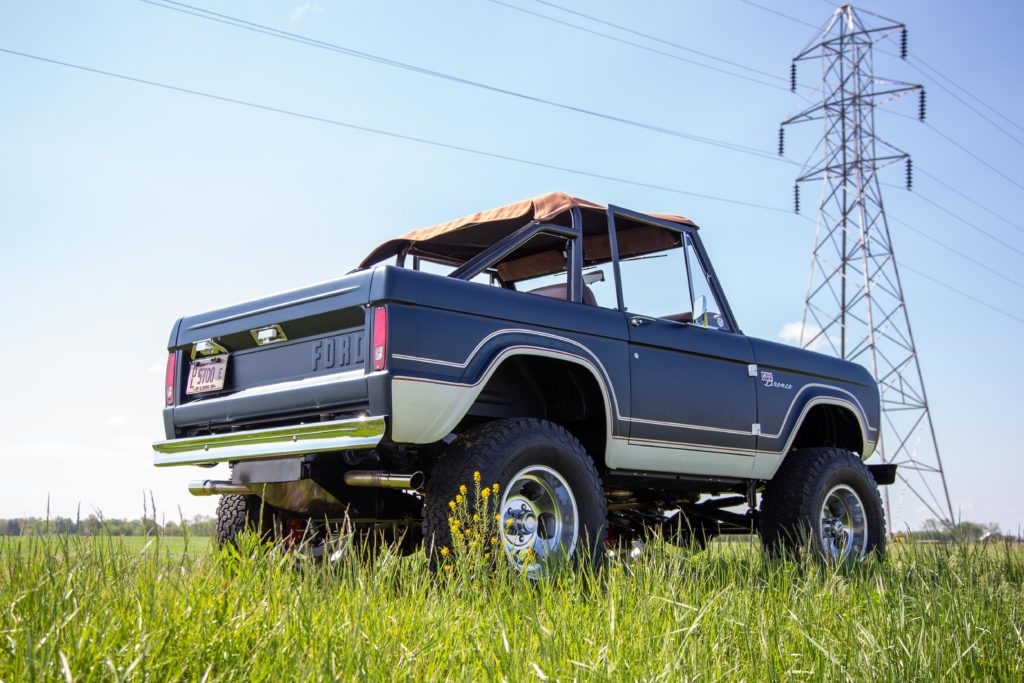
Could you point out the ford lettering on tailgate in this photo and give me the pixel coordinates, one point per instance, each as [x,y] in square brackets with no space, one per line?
[338,352]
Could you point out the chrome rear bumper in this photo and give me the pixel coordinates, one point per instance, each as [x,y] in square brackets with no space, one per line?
[256,444]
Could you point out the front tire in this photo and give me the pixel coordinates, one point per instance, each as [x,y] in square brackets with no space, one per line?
[826,500]
[551,499]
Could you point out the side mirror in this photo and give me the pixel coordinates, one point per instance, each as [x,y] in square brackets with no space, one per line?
[593,276]
[700,311]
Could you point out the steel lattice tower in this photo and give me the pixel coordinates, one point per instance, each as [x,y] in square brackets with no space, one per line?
[855,305]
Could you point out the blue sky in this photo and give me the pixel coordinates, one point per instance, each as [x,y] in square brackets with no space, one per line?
[107,184]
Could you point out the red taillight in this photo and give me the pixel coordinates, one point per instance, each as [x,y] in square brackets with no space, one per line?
[379,352]
[172,364]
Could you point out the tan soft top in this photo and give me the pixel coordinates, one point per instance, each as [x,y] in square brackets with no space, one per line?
[463,238]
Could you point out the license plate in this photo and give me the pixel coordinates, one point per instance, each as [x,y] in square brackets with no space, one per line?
[207,374]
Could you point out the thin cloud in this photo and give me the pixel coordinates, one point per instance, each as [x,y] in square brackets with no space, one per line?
[117,421]
[305,8]
[790,334]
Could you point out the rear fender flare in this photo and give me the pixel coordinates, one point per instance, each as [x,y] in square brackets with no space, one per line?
[427,410]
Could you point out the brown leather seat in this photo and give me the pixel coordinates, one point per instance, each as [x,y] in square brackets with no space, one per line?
[680,317]
[562,292]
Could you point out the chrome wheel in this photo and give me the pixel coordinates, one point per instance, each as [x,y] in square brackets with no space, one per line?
[539,519]
[843,526]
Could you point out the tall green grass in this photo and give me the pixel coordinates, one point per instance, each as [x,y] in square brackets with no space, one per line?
[98,609]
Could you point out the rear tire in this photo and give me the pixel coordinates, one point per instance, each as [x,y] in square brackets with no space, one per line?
[548,488]
[824,499]
[239,513]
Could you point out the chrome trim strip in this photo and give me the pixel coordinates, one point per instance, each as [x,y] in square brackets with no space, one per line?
[683,425]
[275,307]
[315,437]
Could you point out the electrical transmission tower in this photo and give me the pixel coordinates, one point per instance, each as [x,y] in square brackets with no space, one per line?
[855,305]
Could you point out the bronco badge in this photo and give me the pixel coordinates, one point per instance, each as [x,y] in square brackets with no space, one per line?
[769,381]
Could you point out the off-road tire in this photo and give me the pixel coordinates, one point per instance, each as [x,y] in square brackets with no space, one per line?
[792,501]
[238,513]
[500,449]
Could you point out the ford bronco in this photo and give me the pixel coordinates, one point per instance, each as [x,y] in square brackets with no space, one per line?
[582,357]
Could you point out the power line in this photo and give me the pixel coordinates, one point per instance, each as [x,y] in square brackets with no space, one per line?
[962,293]
[964,195]
[648,36]
[936,72]
[392,134]
[640,46]
[966,150]
[968,223]
[228,20]
[780,14]
[961,100]
[487,154]
[955,251]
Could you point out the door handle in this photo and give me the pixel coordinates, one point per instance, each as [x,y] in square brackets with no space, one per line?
[637,321]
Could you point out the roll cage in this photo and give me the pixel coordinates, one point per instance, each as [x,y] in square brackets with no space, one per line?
[488,260]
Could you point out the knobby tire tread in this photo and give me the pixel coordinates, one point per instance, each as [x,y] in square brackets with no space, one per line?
[790,499]
[479,449]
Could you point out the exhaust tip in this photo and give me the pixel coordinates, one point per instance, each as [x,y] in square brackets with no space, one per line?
[385,480]
[211,487]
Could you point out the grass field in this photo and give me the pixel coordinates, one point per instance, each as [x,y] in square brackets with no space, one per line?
[116,609]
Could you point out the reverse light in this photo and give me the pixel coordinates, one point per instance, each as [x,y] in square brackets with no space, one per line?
[172,364]
[379,350]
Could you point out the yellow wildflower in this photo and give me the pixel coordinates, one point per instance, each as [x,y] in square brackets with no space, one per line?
[494,487]
[487,556]
[508,522]
[448,568]
[476,518]
[494,541]
[462,489]
[458,499]
[476,476]
[497,518]
[451,504]
[444,551]
[484,493]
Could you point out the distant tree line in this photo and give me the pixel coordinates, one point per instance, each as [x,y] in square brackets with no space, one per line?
[200,525]
[939,530]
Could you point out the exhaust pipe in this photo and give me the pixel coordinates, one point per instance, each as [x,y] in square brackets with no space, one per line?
[211,487]
[384,480]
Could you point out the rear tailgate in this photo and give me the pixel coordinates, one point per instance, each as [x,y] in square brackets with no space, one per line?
[318,366]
